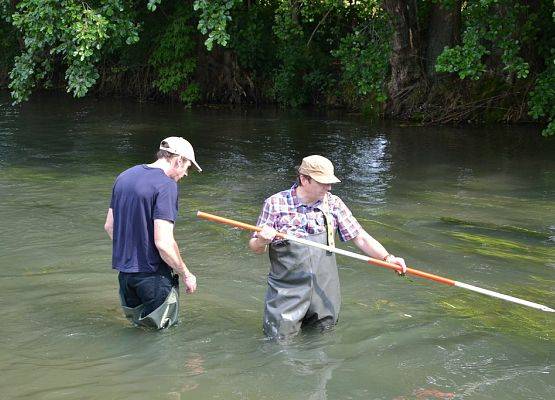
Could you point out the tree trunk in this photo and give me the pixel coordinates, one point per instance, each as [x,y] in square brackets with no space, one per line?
[406,70]
[444,29]
[222,80]
[295,11]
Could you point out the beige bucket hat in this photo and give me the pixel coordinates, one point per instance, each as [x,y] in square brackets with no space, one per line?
[318,168]
[181,147]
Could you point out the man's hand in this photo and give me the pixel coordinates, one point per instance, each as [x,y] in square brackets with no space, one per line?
[263,238]
[398,261]
[267,234]
[190,282]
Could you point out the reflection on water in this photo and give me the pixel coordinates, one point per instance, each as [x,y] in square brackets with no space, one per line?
[475,205]
[369,169]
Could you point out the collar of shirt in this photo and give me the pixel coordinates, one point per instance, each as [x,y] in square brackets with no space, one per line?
[297,202]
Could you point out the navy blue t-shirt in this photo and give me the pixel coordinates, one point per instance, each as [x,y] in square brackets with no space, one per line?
[140,195]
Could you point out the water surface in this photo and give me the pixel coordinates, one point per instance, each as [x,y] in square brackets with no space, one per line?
[472,204]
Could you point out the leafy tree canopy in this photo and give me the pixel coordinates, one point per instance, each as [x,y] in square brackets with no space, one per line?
[371,55]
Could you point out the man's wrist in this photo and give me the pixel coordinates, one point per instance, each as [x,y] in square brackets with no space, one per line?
[183,272]
[388,258]
[263,242]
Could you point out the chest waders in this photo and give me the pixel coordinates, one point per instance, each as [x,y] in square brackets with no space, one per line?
[303,286]
[162,317]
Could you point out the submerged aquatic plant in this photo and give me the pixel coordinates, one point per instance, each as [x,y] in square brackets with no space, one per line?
[496,227]
[504,317]
[506,249]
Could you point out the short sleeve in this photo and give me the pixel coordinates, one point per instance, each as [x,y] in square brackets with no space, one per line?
[166,202]
[112,198]
[349,227]
[265,217]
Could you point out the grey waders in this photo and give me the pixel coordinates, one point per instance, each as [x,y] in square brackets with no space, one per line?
[162,317]
[303,288]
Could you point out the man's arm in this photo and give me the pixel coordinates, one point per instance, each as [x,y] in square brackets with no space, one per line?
[374,249]
[169,251]
[259,243]
[109,224]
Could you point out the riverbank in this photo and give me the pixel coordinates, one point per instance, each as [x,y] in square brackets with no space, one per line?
[430,63]
[483,111]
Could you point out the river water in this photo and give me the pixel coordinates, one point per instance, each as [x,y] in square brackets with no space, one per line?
[472,204]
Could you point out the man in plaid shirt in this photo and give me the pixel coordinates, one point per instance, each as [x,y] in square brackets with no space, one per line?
[303,283]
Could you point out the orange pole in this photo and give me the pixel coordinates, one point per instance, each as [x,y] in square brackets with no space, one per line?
[237,224]
[370,260]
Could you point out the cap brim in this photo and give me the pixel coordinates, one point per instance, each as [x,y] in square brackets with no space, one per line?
[199,169]
[325,179]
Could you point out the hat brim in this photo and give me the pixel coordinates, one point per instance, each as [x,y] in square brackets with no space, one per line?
[199,169]
[324,179]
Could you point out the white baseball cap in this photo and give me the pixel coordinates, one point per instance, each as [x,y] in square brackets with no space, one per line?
[181,147]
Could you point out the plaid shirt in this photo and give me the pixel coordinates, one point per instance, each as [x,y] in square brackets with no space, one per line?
[285,212]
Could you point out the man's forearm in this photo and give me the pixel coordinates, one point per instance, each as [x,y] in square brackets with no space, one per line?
[171,256]
[109,224]
[370,246]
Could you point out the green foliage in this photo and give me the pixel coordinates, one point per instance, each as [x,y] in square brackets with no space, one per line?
[5,10]
[252,38]
[153,4]
[495,37]
[364,56]
[465,60]
[304,39]
[293,52]
[294,58]
[8,47]
[491,27]
[191,94]
[215,15]
[174,58]
[72,32]
[331,52]
[542,98]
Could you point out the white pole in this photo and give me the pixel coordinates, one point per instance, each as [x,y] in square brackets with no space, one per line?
[477,289]
[327,248]
[380,263]
[503,296]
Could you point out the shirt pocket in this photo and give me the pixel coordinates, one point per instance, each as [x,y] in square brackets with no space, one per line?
[292,222]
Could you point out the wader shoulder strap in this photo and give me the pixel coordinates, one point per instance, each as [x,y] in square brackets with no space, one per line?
[328,217]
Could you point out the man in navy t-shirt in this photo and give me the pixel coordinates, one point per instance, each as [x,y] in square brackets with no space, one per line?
[140,223]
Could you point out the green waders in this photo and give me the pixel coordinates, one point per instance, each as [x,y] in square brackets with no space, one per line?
[303,288]
[163,317]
